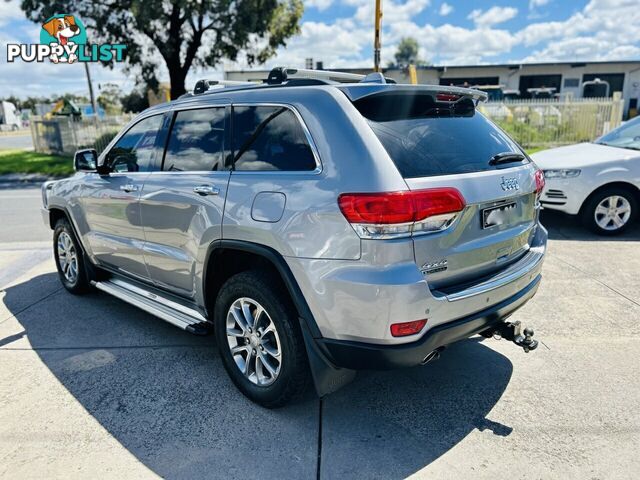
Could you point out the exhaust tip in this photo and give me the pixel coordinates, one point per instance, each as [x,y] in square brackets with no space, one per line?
[432,356]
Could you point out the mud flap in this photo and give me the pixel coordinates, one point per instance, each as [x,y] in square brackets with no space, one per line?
[326,377]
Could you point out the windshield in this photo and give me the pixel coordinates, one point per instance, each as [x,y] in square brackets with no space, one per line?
[625,136]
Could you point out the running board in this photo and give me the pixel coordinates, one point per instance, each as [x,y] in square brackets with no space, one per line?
[174,313]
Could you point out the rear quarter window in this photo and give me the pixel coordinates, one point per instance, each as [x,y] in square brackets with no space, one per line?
[425,137]
[270,138]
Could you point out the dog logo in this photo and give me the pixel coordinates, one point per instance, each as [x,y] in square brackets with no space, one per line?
[63,29]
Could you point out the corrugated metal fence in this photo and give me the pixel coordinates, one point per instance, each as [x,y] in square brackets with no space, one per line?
[65,135]
[549,123]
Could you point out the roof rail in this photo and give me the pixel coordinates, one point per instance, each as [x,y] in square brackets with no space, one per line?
[204,85]
[280,75]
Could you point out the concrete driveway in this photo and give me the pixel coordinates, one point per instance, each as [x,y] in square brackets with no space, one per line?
[91,387]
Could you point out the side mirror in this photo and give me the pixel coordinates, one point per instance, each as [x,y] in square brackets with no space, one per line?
[85,160]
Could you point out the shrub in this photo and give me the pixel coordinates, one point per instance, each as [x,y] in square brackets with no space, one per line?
[103,140]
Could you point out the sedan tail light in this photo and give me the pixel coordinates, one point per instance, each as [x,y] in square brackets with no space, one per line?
[540,182]
[397,214]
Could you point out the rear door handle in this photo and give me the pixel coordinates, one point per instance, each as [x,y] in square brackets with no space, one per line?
[206,190]
[129,187]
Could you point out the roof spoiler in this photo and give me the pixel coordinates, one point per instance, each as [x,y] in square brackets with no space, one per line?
[445,93]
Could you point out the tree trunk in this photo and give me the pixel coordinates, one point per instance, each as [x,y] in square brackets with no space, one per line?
[177,76]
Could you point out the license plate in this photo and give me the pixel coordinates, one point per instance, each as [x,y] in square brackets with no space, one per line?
[494,216]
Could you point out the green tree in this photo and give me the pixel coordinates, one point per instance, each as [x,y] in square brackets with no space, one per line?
[135,102]
[179,34]
[15,100]
[109,98]
[407,53]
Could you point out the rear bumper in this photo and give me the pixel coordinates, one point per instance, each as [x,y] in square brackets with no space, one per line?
[364,356]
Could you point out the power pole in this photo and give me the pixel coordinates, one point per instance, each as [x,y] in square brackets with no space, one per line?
[376,37]
[91,95]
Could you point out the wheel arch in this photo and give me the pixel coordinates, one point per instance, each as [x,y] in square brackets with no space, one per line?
[228,257]
[55,214]
[616,184]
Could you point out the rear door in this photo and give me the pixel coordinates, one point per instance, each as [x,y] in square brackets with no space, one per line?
[182,205]
[440,140]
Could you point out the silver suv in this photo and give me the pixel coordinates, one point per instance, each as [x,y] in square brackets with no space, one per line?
[318,223]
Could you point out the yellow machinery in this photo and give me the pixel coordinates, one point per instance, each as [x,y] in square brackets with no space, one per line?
[64,107]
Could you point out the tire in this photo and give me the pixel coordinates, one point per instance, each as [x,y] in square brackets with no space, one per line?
[614,220]
[261,290]
[72,273]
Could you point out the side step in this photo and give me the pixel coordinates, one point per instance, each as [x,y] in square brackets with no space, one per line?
[174,313]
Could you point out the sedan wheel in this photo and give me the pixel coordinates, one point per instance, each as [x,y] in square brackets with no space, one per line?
[613,213]
[610,211]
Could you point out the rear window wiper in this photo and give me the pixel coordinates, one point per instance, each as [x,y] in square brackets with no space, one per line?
[506,157]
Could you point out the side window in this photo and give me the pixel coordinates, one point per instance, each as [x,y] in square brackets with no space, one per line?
[135,150]
[196,142]
[270,138]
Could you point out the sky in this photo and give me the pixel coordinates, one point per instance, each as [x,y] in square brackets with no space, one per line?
[340,34]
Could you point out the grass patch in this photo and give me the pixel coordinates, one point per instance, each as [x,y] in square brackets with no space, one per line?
[25,161]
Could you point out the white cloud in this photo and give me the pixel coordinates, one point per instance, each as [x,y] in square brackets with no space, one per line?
[319,4]
[533,4]
[445,9]
[493,16]
[10,11]
[393,11]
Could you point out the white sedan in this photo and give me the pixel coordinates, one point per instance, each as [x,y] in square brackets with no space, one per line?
[599,181]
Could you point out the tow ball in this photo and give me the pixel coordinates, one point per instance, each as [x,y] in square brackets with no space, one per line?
[513,331]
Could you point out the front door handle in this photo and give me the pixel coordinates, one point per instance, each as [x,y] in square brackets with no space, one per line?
[129,187]
[206,190]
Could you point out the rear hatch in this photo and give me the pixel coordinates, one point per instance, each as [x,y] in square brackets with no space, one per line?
[437,139]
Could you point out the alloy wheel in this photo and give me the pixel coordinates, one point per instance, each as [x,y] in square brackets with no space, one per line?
[67,257]
[612,213]
[254,342]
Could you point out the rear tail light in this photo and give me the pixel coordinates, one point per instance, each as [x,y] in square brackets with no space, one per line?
[396,214]
[539,176]
[447,97]
[407,328]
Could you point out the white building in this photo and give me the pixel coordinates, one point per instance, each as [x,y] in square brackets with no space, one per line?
[567,78]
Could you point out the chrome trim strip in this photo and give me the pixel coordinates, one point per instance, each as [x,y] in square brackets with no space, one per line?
[156,298]
[530,262]
[169,311]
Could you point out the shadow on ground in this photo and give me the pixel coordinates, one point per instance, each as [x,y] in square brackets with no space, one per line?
[568,227]
[164,395]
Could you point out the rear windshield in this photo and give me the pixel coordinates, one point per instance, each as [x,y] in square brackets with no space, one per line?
[425,137]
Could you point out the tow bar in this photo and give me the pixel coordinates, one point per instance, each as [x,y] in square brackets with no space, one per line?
[512,331]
